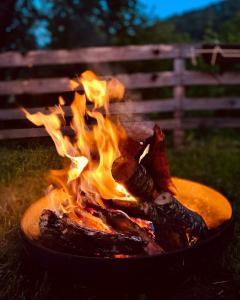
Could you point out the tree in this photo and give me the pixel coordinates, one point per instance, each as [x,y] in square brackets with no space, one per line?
[93,22]
[29,24]
[229,32]
[195,23]
[210,36]
[159,32]
[22,23]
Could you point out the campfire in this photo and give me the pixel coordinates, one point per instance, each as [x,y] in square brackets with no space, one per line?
[116,197]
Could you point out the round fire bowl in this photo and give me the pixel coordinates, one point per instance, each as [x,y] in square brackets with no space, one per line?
[139,271]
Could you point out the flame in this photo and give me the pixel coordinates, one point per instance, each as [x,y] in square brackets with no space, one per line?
[94,148]
[95,89]
[79,164]
[91,154]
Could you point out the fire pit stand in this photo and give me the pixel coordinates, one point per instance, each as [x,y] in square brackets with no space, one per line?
[136,272]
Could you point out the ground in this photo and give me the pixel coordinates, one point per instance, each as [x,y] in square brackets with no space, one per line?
[210,158]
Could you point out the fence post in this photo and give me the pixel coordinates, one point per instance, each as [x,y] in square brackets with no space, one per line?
[179,95]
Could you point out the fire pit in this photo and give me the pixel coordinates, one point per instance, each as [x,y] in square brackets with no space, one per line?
[115,211]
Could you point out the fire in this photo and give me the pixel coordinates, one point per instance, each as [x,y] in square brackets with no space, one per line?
[75,210]
[94,148]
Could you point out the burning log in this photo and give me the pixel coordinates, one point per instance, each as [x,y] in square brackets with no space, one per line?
[149,181]
[61,233]
[121,222]
[129,147]
[146,179]
[134,177]
[175,225]
[156,162]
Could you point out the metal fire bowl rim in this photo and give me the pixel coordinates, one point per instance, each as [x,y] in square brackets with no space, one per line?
[218,233]
[215,236]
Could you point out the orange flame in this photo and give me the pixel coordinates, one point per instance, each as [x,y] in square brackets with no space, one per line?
[92,153]
[95,148]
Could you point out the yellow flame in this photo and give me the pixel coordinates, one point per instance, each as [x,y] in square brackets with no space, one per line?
[95,89]
[95,148]
[79,163]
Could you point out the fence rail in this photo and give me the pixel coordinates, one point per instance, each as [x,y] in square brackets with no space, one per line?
[178,78]
[131,81]
[142,107]
[94,55]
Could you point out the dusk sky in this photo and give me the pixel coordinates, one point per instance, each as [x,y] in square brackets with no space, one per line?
[166,8]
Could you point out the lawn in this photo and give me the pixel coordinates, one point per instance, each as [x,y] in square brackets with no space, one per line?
[213,159]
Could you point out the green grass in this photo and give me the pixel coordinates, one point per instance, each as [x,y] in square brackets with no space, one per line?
[213,159]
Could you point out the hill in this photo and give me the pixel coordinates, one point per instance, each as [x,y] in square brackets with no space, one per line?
[196,23]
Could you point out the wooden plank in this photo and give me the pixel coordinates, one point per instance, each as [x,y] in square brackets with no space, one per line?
[59,85]
[208,104]
[202,78]
[142,107]
[138,107]
[148,80]
[131,81]
[134,107]
[34,86]
[145,126]
[17,114]
[193,123]
[179,95]
[171,105]
[205,123]
[93,55]
[27,133]
[22,133]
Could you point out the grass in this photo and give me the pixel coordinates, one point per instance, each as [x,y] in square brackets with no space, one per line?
[213,159]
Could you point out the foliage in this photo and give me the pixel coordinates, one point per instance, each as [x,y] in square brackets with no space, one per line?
[209,36]
[217,23]
[230,30]
[69,24]
[195,23]
[84,23]
[16,17]
[29,24]
[159,32]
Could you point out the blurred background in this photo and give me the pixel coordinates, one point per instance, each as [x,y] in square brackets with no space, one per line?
[185,75]
[27,25]
[46,24]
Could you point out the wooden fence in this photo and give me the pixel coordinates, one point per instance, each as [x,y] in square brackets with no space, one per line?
[179,78]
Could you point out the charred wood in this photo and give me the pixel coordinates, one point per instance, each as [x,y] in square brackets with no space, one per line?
[156,162]
[175,225]
[121,222]
[134,177]
[62,234]
[129,147]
